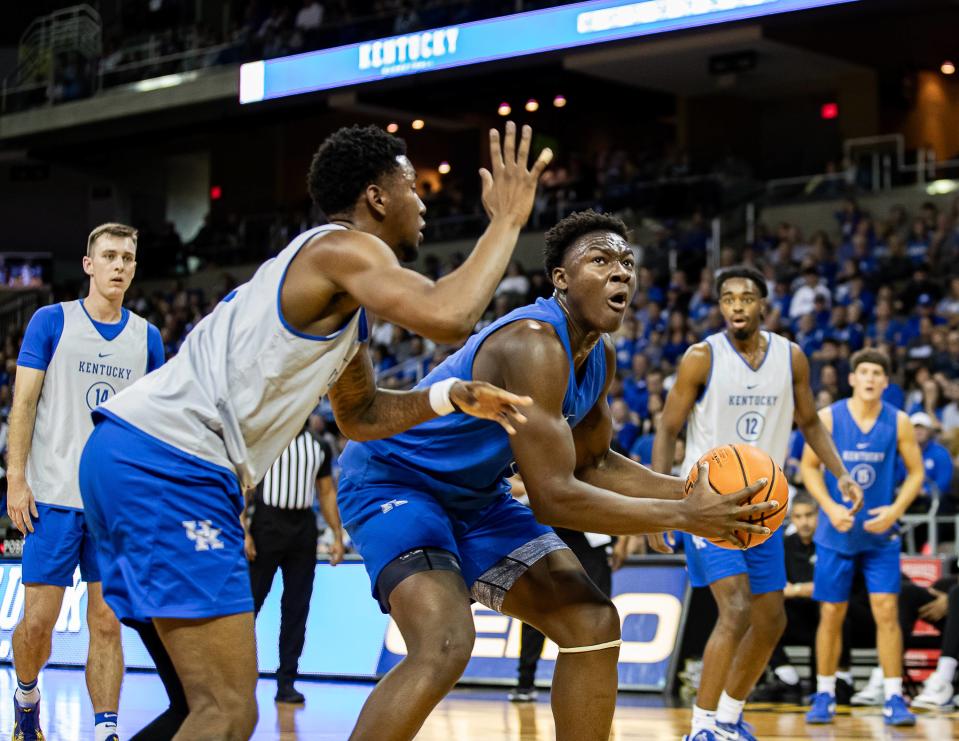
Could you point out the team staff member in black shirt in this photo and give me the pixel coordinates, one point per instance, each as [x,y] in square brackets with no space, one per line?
[281,533]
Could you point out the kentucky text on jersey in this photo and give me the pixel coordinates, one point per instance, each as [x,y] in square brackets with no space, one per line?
[861,456]
[738,400]
[103,369]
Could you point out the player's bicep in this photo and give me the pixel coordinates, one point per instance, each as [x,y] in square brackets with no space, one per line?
[375,279]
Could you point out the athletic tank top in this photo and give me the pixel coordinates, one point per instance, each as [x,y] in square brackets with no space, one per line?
[461,460]
[244,381]
[871,461]
[743,405]
[86,370]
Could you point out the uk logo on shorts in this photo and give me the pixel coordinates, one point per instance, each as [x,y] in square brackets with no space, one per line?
[203,534]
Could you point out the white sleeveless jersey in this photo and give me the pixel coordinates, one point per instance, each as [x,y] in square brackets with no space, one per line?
[742,405]
[243,382]
[85,371]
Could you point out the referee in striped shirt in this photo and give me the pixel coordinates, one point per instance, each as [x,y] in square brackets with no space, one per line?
[281,533]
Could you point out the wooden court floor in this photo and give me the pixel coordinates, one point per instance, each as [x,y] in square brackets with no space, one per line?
[467,715]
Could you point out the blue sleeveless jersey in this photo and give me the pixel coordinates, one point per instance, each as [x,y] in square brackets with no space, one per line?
[870,459]
[461,460]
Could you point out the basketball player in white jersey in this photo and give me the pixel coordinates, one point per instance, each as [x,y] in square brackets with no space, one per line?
[741,385]
[163,471]
[75,355]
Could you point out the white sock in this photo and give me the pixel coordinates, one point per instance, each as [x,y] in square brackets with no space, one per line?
[891,686]
[826,684]
[787,673]
[730,709]
[703,720]
[845,677]
[29,696]
[946,668]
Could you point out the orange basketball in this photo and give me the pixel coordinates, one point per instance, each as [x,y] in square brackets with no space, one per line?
[733,468]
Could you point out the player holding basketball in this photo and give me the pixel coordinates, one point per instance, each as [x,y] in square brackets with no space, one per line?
[868,433]
[745,385]
[162,473]
[75,355]
[431,513]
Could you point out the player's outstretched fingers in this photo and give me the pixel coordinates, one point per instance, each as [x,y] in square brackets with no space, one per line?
[750,527]
[743,494]
[509,145]
[542,162]
[495,151]
[757,509]
[522,154]
[731,537]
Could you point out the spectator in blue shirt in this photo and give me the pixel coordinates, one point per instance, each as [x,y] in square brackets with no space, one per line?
[935,458]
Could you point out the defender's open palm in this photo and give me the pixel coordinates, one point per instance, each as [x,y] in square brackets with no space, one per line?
[508,190]
[714,515]
[483,400]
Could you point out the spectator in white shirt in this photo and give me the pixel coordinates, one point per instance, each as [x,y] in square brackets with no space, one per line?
[804,298]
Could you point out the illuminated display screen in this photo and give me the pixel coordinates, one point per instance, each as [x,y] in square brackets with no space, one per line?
[497,38]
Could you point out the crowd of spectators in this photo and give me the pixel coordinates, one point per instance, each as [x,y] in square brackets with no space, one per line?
[887,281]
[150,38]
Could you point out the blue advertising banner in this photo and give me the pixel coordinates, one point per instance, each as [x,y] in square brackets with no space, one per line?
[348,636]
[516,35]
[650,600]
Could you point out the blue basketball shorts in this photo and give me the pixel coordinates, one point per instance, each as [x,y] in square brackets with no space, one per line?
[386,522]
[60,541]
[834,572]
[167,527]
[764,564]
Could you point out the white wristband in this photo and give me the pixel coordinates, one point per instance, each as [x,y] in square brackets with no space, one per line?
[440,396]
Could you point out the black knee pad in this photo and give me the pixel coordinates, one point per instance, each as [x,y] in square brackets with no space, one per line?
[409,563]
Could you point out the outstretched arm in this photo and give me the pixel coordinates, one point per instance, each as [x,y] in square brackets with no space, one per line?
[365,412]
[818,438]
[447,309]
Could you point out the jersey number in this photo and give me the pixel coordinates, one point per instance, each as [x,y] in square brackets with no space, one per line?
[98,393]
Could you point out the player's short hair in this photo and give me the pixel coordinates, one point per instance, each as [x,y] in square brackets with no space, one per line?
[579,223]
[348,160]
[742,271]
[803,497]
[870,355]
[112,229]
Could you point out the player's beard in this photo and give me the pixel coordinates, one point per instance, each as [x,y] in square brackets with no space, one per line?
[743,334]
[408,251]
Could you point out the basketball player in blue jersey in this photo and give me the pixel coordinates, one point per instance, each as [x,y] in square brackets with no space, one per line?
[431,513]
[75,355]
[741,385]
[163,471]
[868,433]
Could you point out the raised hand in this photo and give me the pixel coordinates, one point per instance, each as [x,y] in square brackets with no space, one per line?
[508,190]
[713,515]
[486,401]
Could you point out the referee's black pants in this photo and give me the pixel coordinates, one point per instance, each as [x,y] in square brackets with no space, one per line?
[595,562]
[285,539]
